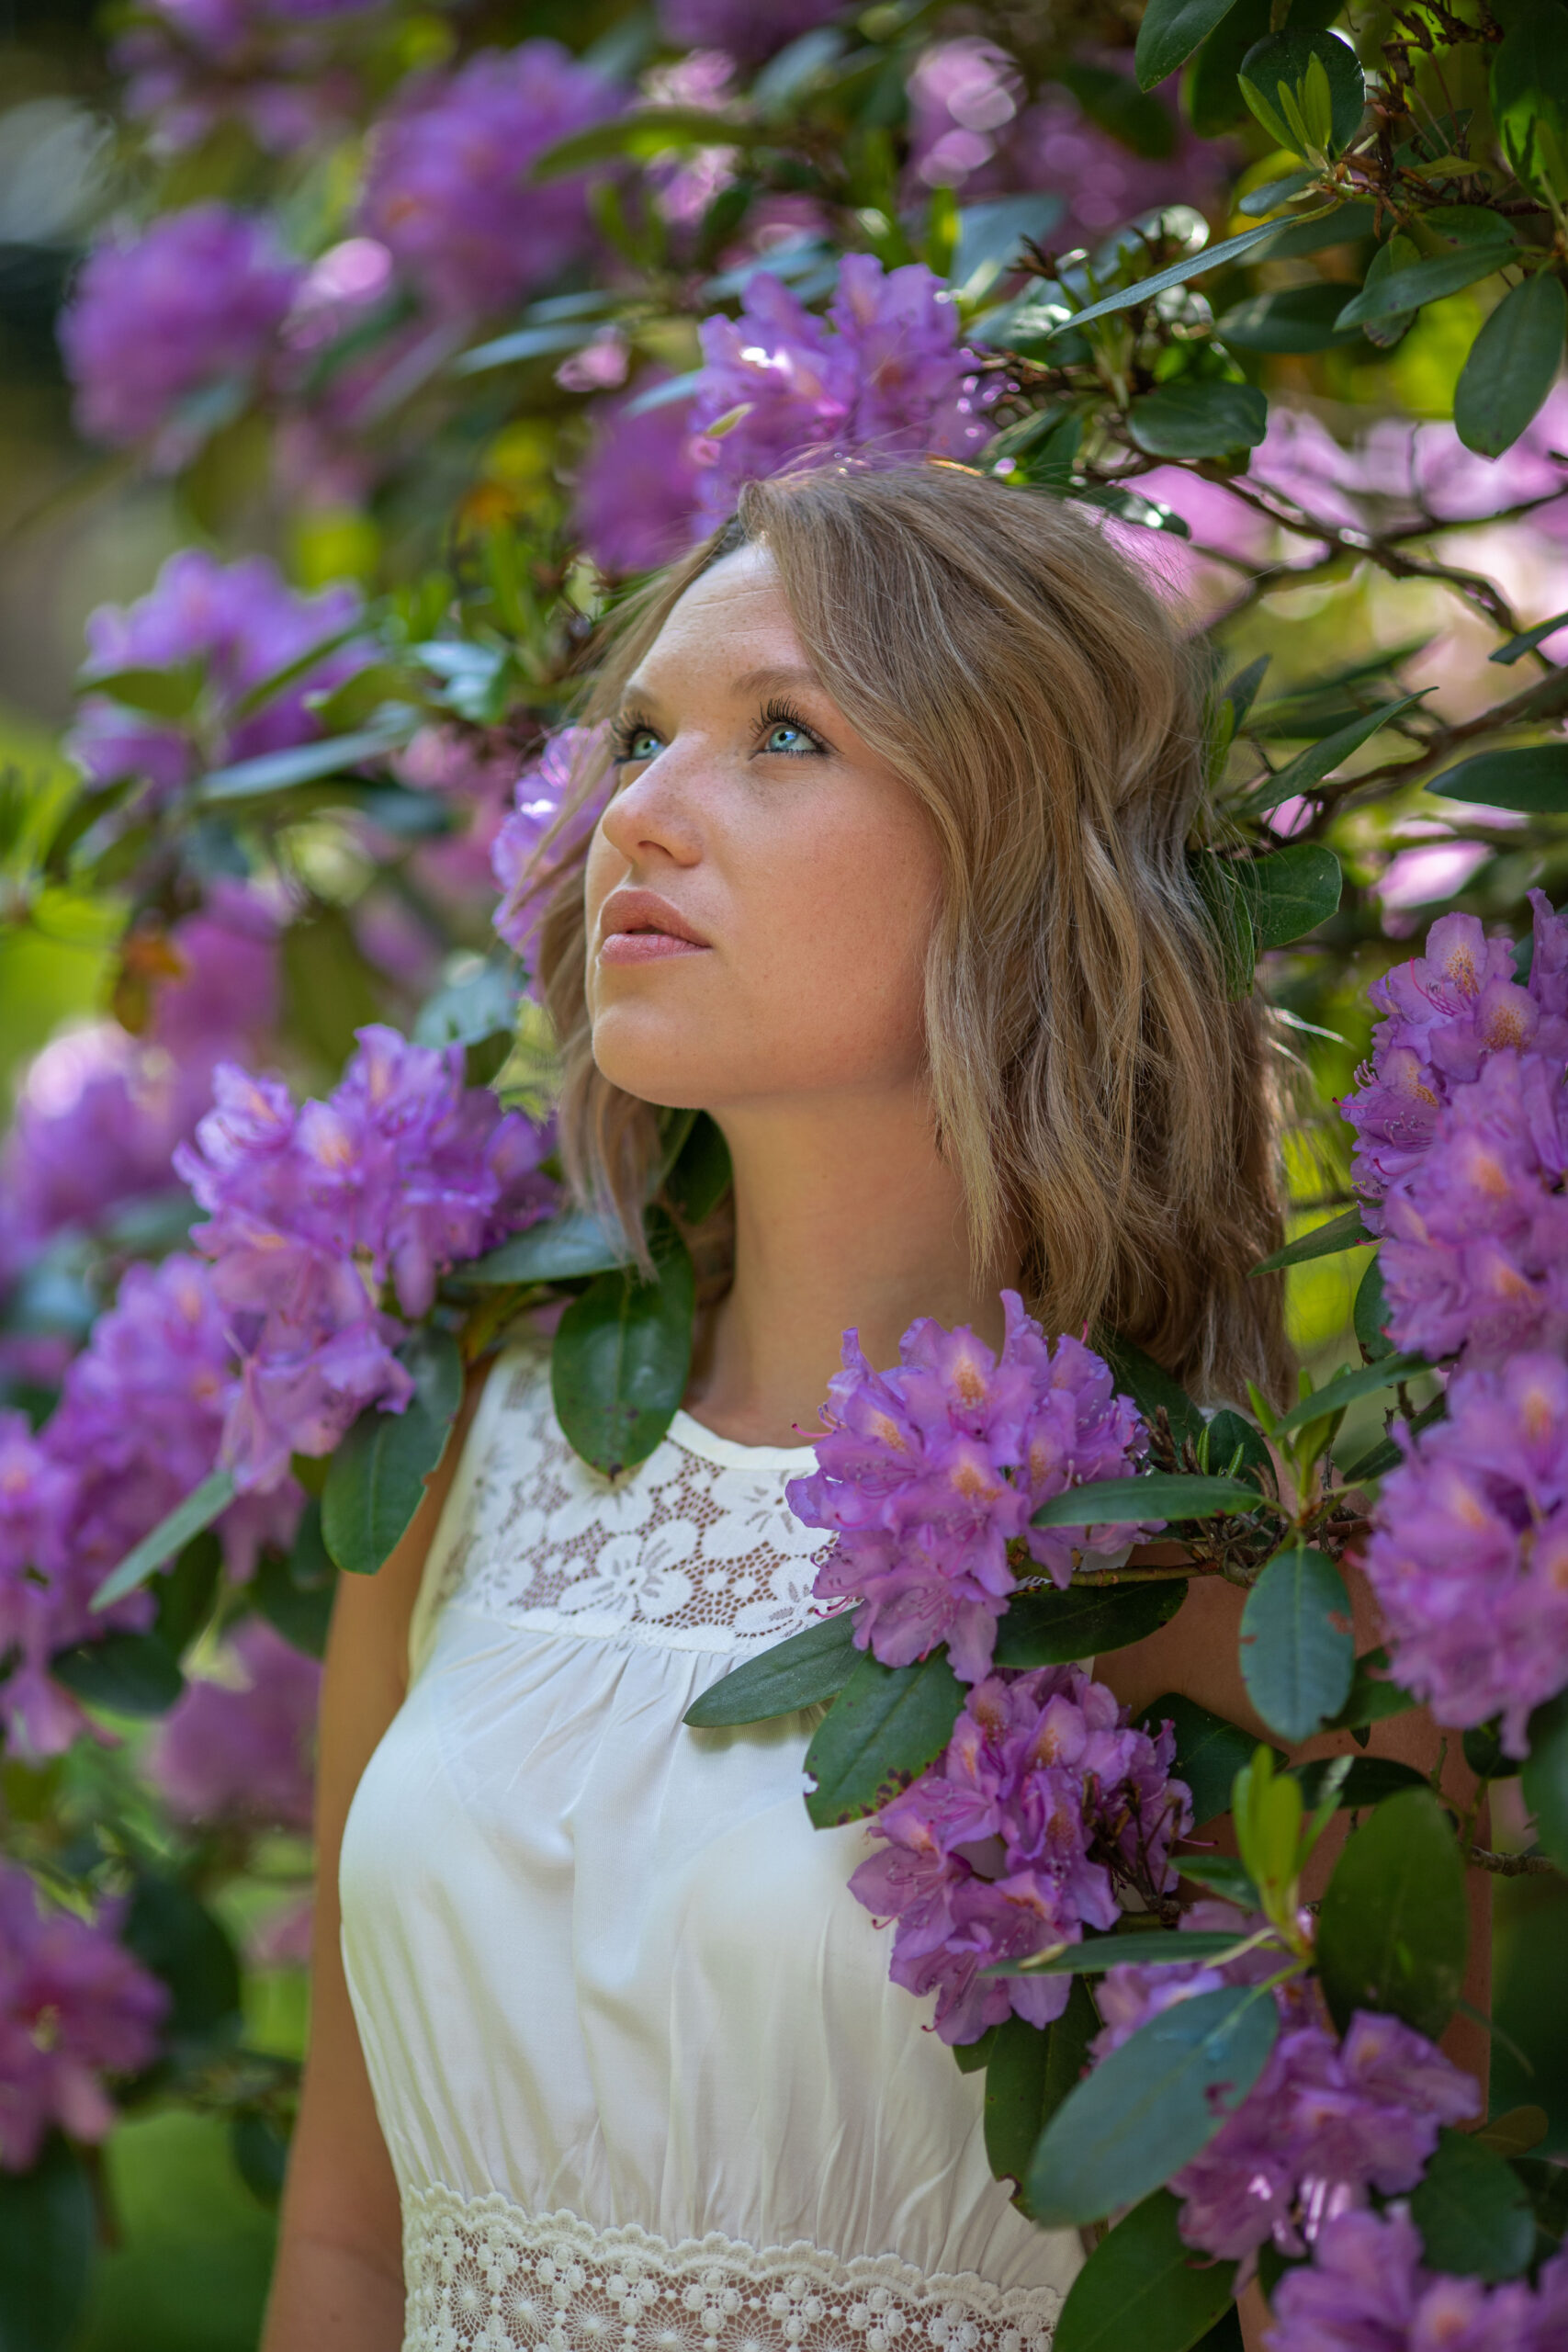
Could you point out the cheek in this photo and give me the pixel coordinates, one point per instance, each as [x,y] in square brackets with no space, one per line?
[839,931]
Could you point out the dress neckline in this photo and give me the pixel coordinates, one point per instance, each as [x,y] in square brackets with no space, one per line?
[728,1452]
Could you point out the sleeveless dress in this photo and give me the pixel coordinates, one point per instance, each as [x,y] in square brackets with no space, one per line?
[644,2081]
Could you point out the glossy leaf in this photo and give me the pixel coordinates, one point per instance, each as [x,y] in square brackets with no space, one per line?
[1544,1780]
[303,763]
[1198,419]
[199,1508]
[1349,1387]
[1233,1448]
[1426,281]
[1210,1751]
[179,1939]
[1044,1627]
[1529,98]
[1546,2185]
[168,693]
[1311,766]
[1151,2106]
[1394,1928]
[1297,1650]
[1034,2071]
[1307,89]
[702,1173]
[1296,319]
[1370,1313]
[1224,1875]
[261,2155]
[885,1725]
[126,1673]
[1534,779]
[1149,1385]
[1170,32]
[1512,365]
[1162,1495]
[1212,97]
[48,2230]
[1292,891]
[1527,639]
[1486,1755]
[1369,1779]
[468,1011]
[1178,274]
[567,1247]
[1164,1948]
[185,1594]
[377,1476]
[295,1594]
[811,1666]
[622,1354]
[1371,1697]
[1144,2289]
[1344,1231]
[1472,2211]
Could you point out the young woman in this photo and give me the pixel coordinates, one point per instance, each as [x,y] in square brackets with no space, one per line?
[891,879]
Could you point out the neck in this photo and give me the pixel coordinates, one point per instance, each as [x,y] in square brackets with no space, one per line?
[846,1216]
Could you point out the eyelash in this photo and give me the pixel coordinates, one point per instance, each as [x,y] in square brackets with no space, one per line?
[778,712]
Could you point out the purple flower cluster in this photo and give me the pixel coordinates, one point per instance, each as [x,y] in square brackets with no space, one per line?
[1325,2121]
[241,623]
[317,1209]
[544,791]
[448,189]
[74,2005]
[1367,2289]
[883,372]
[238,1749]
[1469,1559]
[928,1472]
[1043,1804]
[190,307]
[191,63]
[637,486]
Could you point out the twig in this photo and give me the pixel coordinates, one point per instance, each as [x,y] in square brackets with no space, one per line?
[1513,1865]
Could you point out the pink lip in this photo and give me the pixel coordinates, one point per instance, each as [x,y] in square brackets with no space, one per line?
[641,927]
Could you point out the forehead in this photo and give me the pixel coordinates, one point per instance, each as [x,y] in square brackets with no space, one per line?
[731,620]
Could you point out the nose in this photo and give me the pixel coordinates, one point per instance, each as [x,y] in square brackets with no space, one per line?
[653,817]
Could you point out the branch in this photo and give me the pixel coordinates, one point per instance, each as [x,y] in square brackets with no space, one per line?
[1513,1865]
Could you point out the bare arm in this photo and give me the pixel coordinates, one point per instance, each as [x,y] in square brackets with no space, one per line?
[338,2285]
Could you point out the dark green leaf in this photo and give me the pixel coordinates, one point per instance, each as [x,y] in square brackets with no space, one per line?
[1545,1781]
[1527,639]
[1486,1755]
[622,1354]
[474,1008]
[1129,115]
[288,671]
[1536,779]
[1162,1495]
[304,763]
[1368,1782]
[1303,109]
[1425,281]
[1546,2185]
[1297,1650]
[1144,2289]
[885,1725]
[1149,1948]
[1516,2131]
[1310,767]
[171,1934]
[1210,1751]
[1151,2106]
[1212,96]
[990,234]
[640,133]
[974,2057]
[1049,1628]
[377,1475]
[47,2234]
[1298,318]
[1178,274]
[295,1594]
[162,694]
[1232,1448]
[1472,2211]
[1372,1697]
[128,1674]
[1272,194]
[1394,1928]
[1225,2335]
[1223,1875]
[1529,98]
[702,1174]
[1170,31]
[1241,691]
[261,2155]
[1034,2072]
[1198,419]
[1343,1232]
[328,992]
[810,1666]
[199,1510]
[1149,1385]
[1349,1387]
[1512,365]
[186,1593]
[1369,1314]
[567,1246]
[1292,891]
[1347,226]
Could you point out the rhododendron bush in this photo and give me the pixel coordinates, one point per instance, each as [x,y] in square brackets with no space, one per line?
[433,329]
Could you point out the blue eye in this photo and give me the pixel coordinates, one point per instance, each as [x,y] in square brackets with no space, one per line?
[789,736]
[640,743]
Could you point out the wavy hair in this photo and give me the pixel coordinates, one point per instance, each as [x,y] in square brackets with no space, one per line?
[1092,1083]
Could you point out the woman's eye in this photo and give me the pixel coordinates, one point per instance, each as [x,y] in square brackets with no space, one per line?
[786,735]
[641,743]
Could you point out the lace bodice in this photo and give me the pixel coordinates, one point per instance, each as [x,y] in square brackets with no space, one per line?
[695,1548]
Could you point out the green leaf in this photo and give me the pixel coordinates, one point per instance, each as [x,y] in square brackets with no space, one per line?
[199,1508]
[1349,1388]
[974,2057]
[1210,1751]
[702,1174]
[295,1595]
[1512,365]
[1472,2211]
[1529,99]
[1516,2131]
[1310,767]
[1296,1661]
[989,236]
[1029,2072]
[1426,281]
[126,1674]
[377,1476]
[1198,419]
[1546,2185]
[1212,96]
[295,667]
[186,1593]
[1049,1628]
[1344,1231]
[1394,1928]
[1226,2335]
[1178,272]
[47,2246]
[1527,639]
[1544,1780]
[525,343]
[1170,31]
[1168,1494]
[176,1936]
[1151,2106]
[261,2155]
[465,1012]
[162,693]
[1292,891]
[623,1354]
[1144,2289]
[885,1725]
[1372,1697]
[1307,89]
[567,1246]
[1223,1875]
[1371,1312]
[1536,779]
[1233,1448]
[1298,318]
[303,763]
[641,133]
[1486,1755]
[1129,115]
[811,1666]
[1368,1782]
[1149,1948]
[1149,1385]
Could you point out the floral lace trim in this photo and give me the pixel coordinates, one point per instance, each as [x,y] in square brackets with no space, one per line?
[485,2276]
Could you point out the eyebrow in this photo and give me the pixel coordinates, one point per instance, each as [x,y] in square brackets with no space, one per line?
[754,681]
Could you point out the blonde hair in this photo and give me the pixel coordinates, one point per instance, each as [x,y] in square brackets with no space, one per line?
[1091,1082]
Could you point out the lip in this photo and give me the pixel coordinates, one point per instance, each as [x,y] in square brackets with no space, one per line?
[641,927]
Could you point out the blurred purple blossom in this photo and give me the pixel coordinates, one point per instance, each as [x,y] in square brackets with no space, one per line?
[749,32]
[238,1747]
[1469,1558]
[544,791]
[73,2006]
[928,1472]
[402,1171]
[449,191]
[242,623]
[1425,873]
[636,487]
[1043,1805]
[270,64]
[883,372]
[1326,2120]
[191,306]
[1367,2289]
[474,770]
[684,182]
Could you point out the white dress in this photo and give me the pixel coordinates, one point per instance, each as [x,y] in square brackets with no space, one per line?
[642,2075]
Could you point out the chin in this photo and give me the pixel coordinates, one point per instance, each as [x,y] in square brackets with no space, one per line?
[642,1057]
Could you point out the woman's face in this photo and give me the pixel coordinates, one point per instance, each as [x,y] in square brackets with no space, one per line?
[761,885]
